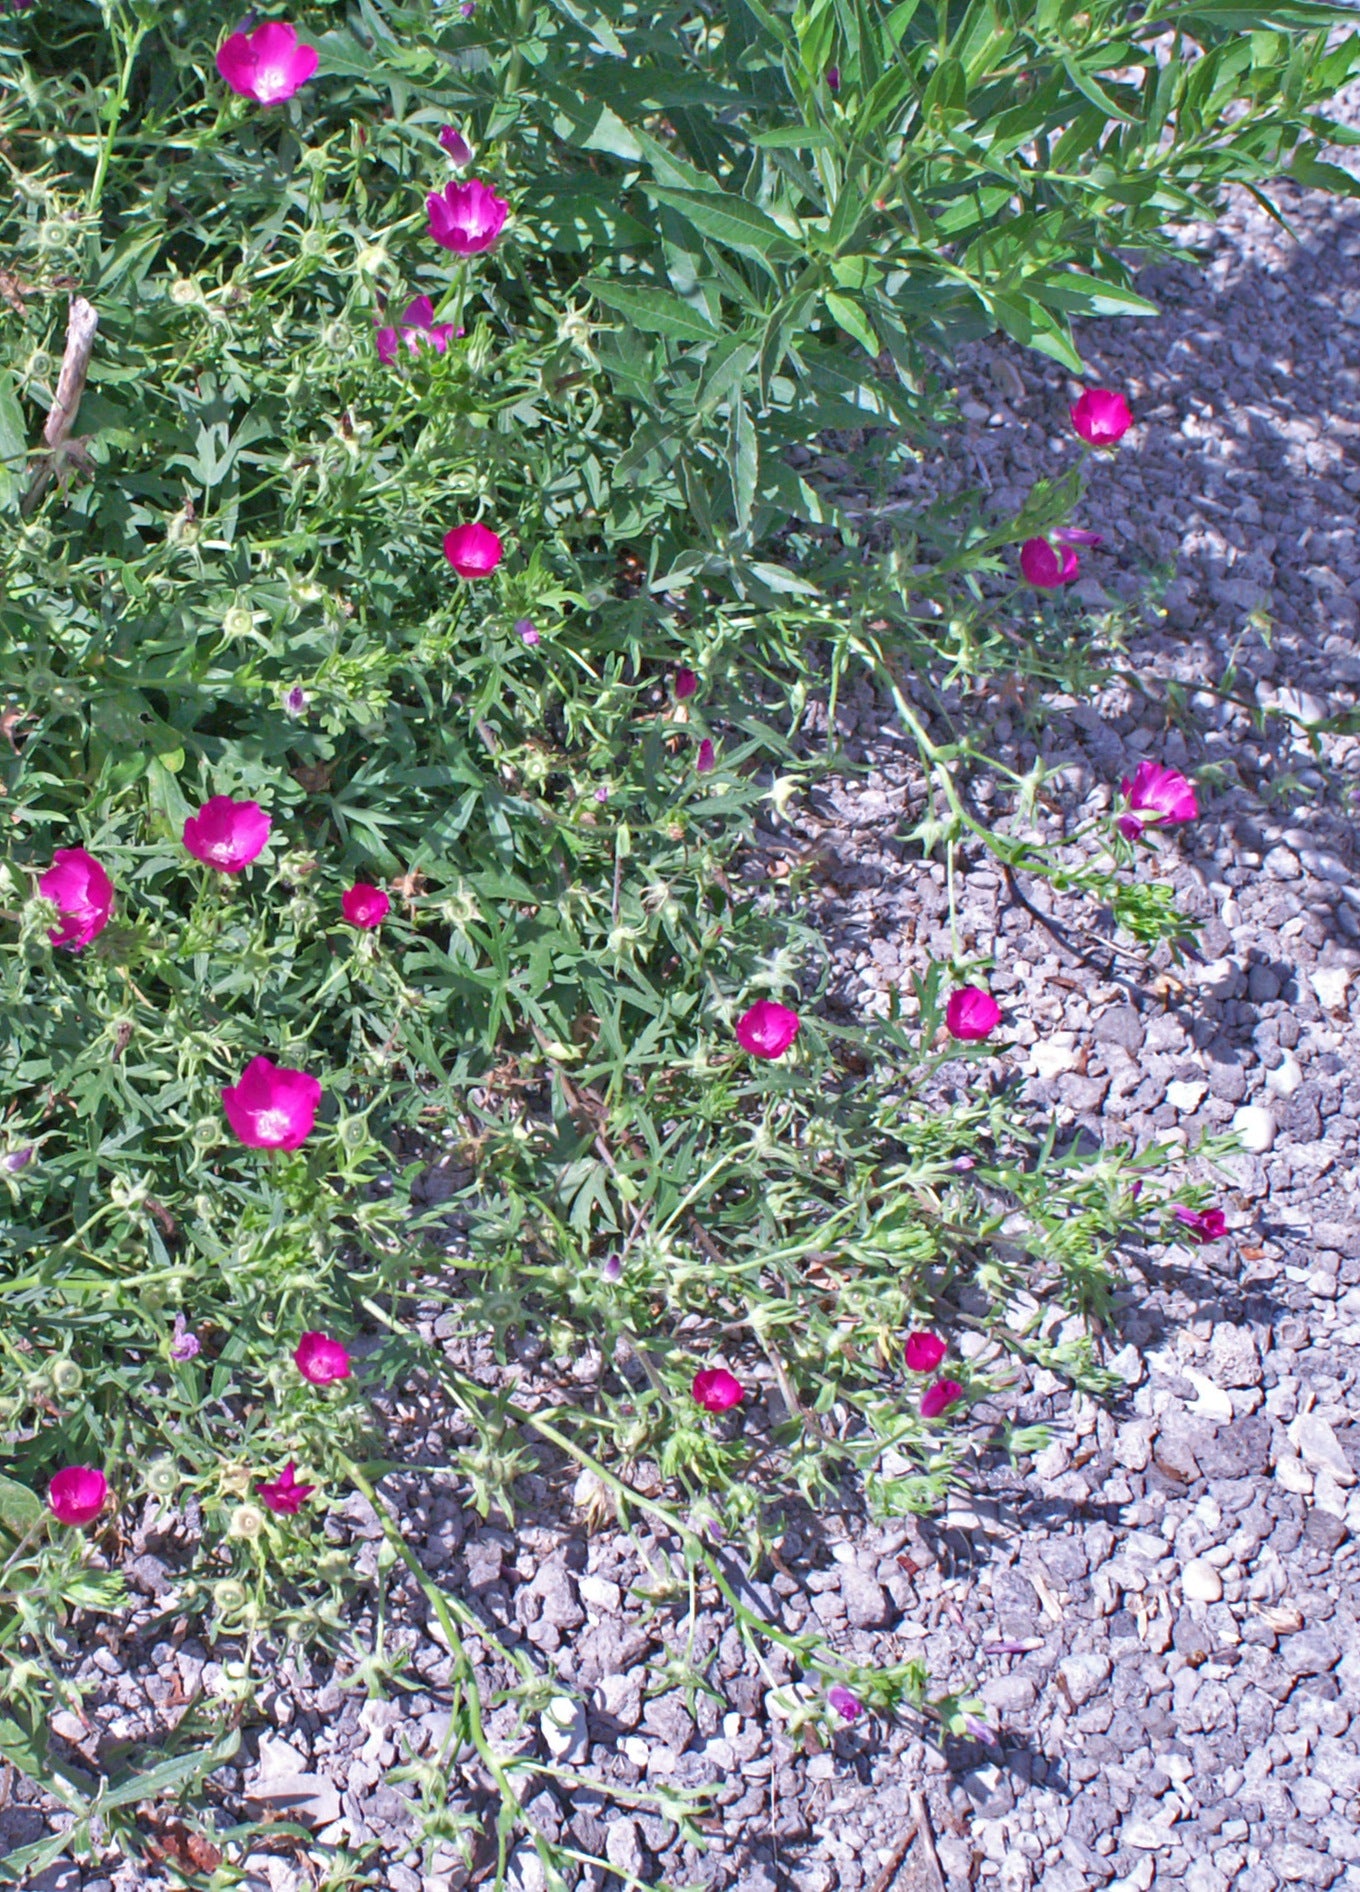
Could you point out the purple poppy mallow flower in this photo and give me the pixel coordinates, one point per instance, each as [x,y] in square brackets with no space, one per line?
[1202,1225]
[1045,567]
[183,1344]
[417,329]
[939,1398]
[524,629]
[295,703]
[847,1705]
[14,1162]
[1155,797]
[466,218]
[1077,535]
[268,65]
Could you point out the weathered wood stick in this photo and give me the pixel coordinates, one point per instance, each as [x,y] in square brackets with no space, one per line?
[81,324]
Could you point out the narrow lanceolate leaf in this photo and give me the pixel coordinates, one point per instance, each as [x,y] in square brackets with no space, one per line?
[730,221]
[744,462]
[848,315]
[656,311]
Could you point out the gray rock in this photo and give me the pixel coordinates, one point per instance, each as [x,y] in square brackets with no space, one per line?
[867,1604]
[1084,1675]
[1310,1652]
[1121,1025]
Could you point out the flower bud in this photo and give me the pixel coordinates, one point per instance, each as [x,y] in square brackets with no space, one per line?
[162,1477]
[66,1377]
[248,1521]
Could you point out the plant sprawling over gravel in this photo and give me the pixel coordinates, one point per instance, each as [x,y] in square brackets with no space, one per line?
[404,625]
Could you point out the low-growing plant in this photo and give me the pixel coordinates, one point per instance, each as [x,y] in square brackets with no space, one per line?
[411,606]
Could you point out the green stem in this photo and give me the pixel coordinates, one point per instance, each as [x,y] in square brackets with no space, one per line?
[116,107]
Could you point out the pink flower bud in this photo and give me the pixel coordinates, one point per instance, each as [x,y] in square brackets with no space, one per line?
[1202,1225]
[457,146]
[285,1495]
[971,1013]
[525,628]
[1156,797]
[466,218]
[267,65]
[227,834]
[767,1030]
[84,893]
[77,1494]
[473,551]
[1044,567]
[924,1352]
[703,762]
[1101,417]
[320,1359]
[849,1707]
[686,683]
[715,1389]
[295,702]
[272,1107]
[365,906]
[14,1161]
[935,1399]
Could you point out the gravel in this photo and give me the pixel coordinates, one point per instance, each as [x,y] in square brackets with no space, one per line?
[1167,1642]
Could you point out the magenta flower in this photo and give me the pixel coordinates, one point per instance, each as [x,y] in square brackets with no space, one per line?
[77,1494]
[1042,565]
[227,834]
[849,1707]
[971,1013]
[457,146]
[703,762]
[1156,797]
[285,1495]
[473,551]
[686,683]
[320,1359]
[84,893]
[935,1399]
[1077,535]
[1101,417]
[924,1352]
[716,1390]
[267,65]
[767,1030]
[466,218]
[272,1108]
[13,1161]
[417,329]
[183,1344]
[525,628]
[365,906]
[295,702]
[1202,1225]
[833,78]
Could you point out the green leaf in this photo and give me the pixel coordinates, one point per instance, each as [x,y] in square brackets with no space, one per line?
[655,310]
[849,316]
[21,1510]
[13,443]
[731,221]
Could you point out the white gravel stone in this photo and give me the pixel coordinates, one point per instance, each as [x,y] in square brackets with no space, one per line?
[1294,1475]
[1200,1582]
[563,1722]
[1319,1447]
[1256,1127]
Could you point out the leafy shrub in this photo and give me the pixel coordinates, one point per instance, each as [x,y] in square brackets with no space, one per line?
[735,229]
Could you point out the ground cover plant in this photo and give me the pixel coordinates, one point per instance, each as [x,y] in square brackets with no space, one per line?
[410,601]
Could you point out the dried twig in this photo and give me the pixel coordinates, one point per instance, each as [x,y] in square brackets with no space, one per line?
[81,324]
[894,1865]
[921,1815]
